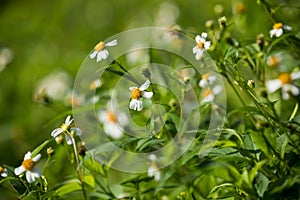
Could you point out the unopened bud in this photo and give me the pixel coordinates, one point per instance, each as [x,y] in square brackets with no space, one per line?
[50,151]
[59,139]
[251,83]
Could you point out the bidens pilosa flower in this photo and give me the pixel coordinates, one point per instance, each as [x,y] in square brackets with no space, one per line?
[113,122]
[206,80]
[208,94]
[277,29]
[202,44]
[284,81]
[28,166]
[100,52]
[67,130]
[138,93]
[3,172]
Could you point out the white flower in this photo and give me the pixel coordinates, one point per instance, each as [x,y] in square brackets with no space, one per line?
[153,170]
[3,172]
[95,84]
[100,52]
[209,94]
[65,128]
[202,44]
[277,29]
[206,80]
[28,166]
[113,123]
[284,81]
[274,60]
[136,95]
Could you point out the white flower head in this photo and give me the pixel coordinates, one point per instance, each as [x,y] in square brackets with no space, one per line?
[137,93]
[202,45]
[209,94]
[284,81]
[206,80]
[28,166]
[67,130]
[278,28]
[95,84]
[100,53]
[3,172]
[113,122]
[153,171]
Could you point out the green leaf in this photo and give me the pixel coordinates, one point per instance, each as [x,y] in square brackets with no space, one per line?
[282,142]
[69,187]
[40,147]
[261,143]
[148,143]
[261,184]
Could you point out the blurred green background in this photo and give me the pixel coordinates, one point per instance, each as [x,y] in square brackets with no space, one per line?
[56,36]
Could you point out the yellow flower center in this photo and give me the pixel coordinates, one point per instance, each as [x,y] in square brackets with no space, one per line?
[207,92]
[200,45]
[285,78]
[28,164]
[136,93]
[112,117]
[99,46]
[1,169]
[277,26]
[64,127]
[205,76]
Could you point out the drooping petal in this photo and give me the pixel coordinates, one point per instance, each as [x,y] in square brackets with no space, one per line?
[112,43]
[273,85]
[104,54]
[132,104]
[30,177]
[68,139]
[77,131]
[99,57]
[147,95]
[139,105]
[199,54]
[93,54]
[56,132]
[145,85]
[272,32]
[289,88]
[37,158]
[207,45]
[198,38]
[19,170]
[195,49]
[279,32]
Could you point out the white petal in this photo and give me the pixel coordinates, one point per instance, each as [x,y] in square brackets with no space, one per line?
[195,49]
[287,27]
[295,75]
[204,35]
[132,104]
[113,130]
[77,131]
[68,139]
[104,54]
[279,32]
[112,43]
[157,175]
[132,88]
[19,170]
[207,45]
[99,57]
[68,120]
[4,173]
[290,88]
[37,158]
[147,95]
[122,119]
[102,116]
[27,155]
[217,89]
[30,177]
[56,132]
[145,85]
[152,157]
[93,54]
[139,105]
[199,54]
[273,85]
[198,38]
[272,32]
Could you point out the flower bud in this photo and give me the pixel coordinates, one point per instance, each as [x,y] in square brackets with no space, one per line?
[251,83]
[50,151]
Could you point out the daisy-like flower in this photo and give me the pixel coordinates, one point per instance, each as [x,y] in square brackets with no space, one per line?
[153,170]
[207,79]
[28,166]
[277,29]
[202,44]
[209,94]
[95,84]
[100,52]
[274,60]
[284,81]
[3,172]
[137,93]
[113,123]
[67,130]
